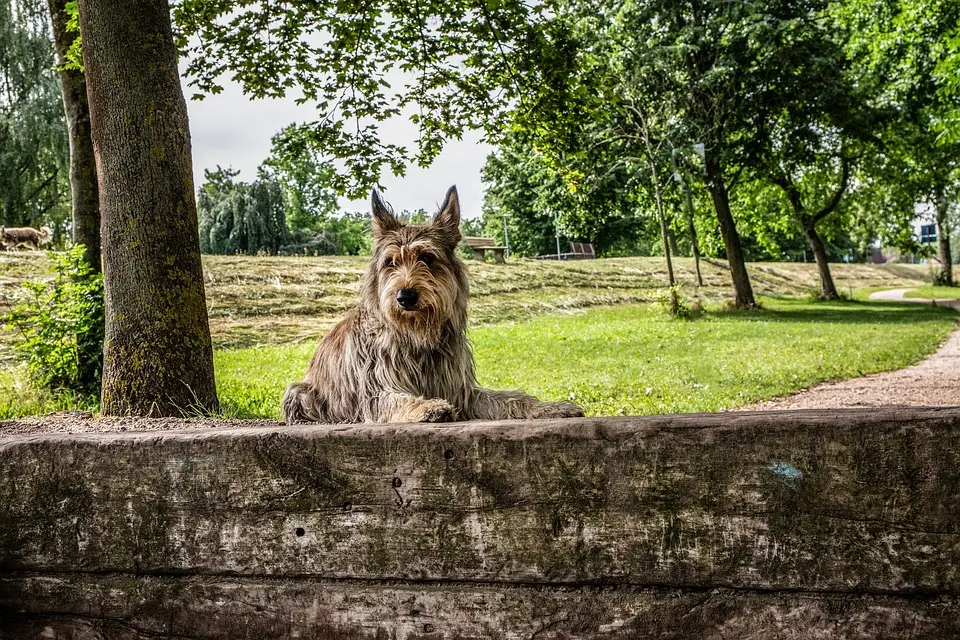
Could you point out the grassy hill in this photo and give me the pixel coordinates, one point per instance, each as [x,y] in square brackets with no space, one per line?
[281,300]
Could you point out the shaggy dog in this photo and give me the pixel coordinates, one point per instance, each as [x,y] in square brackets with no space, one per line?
[16,237]
[402,354]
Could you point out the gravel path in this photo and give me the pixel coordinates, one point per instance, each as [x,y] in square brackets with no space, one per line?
[931,382]
[82,422]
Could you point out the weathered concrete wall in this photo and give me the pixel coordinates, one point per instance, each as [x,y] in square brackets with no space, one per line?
[793,525]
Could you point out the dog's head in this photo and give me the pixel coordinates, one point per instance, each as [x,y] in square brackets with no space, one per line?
[44,234]
[416,280]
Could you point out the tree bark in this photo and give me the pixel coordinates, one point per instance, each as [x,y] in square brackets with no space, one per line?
[943,236]
[829,290]
[694,245]
[674,245]
[83,169]
[743,291]
[158,358]
[85,201]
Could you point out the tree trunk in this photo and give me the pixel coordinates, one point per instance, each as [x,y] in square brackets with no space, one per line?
[672,237]
[83,169]
[694,246]
[85,199]
[674,299]
[743,291]
[829,290]
[664,232]
[158,358]
[943,237]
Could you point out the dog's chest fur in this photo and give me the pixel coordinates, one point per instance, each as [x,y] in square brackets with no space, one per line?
[396,361]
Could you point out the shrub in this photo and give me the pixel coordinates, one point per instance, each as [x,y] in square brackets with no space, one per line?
[672,302]
[941,279]
[60,323]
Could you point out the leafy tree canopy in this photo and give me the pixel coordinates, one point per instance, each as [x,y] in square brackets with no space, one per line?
[458,64]
[305,178]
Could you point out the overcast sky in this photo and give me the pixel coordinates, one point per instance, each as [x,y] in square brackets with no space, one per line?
[231,130]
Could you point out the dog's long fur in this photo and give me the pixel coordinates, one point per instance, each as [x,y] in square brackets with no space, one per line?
[384,363]
[16,237]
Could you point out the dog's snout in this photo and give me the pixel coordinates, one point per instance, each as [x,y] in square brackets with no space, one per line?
[407,298]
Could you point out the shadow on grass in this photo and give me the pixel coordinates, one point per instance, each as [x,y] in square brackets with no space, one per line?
[834,312]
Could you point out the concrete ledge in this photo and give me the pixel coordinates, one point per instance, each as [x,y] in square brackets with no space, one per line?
[718,525]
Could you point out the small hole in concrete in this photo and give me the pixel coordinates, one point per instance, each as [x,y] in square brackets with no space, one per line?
[448,454]
[300,531]
[347,506]
[397,482]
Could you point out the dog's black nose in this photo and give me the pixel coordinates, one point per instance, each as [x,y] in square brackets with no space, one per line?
[407,298]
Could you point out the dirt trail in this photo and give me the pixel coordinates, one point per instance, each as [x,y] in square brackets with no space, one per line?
[934,381]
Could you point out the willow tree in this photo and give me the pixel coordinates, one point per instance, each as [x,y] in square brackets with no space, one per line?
[33,142]
[158,358]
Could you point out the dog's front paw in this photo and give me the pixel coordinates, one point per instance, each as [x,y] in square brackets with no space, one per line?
[559,410]
[437,410]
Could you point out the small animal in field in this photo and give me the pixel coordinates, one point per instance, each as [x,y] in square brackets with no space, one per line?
[402,354]
[16,237]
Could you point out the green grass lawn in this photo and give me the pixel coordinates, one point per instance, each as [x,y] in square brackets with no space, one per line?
[934,293]
[629,359]
[634,360]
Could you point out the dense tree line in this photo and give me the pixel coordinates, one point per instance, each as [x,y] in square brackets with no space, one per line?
[805,128]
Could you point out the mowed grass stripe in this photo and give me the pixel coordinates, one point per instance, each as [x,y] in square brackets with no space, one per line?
[934,293]
[634,360]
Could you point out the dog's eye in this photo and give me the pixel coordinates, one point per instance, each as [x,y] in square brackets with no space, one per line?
[389,263]
[428,258]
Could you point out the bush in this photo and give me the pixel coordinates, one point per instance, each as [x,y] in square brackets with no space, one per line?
[60,323]
[941,279]
[672,301]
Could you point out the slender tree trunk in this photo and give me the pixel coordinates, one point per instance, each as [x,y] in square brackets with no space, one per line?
[743,291]
[943,236]
[85,199]
[672,237]
[664,231]
[674,300]
[829,290]
[158,358]
[694,245]
[83,168]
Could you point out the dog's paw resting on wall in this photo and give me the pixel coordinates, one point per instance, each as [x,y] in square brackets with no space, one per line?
[402,354]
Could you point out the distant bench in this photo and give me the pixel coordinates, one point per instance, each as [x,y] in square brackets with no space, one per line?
[481,245]
[578,251]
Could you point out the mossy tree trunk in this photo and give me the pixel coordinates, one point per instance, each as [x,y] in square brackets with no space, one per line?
[85,198]
[158,358]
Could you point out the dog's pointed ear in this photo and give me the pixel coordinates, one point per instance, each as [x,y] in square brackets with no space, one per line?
[448,218]
[383,219]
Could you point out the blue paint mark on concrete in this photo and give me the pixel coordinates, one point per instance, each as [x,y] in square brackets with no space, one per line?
[786,470]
